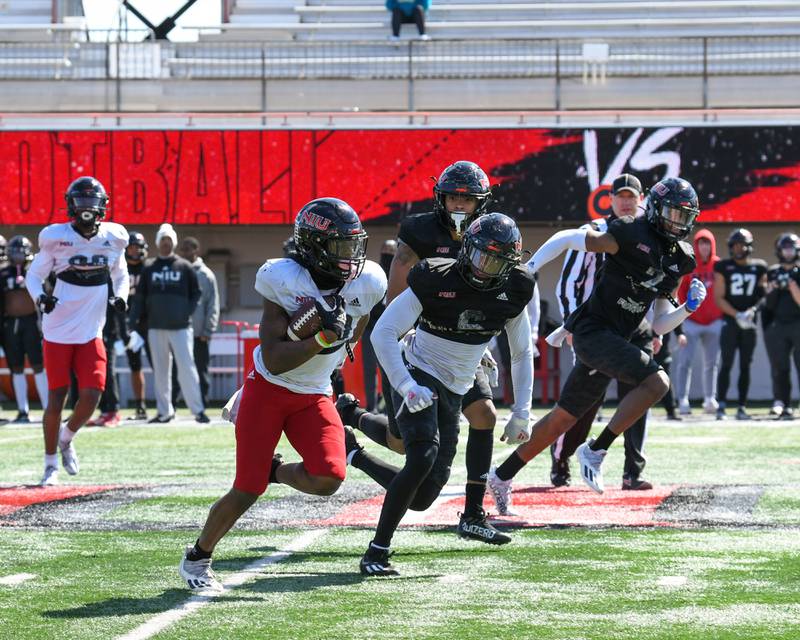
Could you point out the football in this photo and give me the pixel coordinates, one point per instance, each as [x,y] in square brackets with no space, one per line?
[305,322]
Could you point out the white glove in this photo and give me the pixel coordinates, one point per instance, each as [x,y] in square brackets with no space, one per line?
[556,338]
[745,319]
[135,343]
[231,408]
[518,429]
[415,397]
[489,365]
[695,296]
[119,348]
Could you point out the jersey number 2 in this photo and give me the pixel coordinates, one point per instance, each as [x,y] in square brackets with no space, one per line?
[743,284]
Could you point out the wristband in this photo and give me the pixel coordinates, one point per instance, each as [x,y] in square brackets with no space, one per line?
[319,337]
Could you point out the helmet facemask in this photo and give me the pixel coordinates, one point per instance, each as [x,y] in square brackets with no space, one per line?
[675,222]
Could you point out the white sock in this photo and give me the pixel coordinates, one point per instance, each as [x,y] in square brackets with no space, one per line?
[41,387]
[65,436]
[351,455]
[50,460]
[20,391]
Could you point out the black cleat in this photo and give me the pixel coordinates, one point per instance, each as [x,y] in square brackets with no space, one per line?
[636,484]
[375,563]
[22,418]
[671,415]
[350,442]
[346,404]
[476,527]
[559,471]
[202,418]
[161,419]
[277,461]
[741,414]
[141,414]
[721,415]
[787,414]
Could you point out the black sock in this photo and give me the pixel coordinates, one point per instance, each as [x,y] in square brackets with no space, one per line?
[381,472]
[273,478]
[197,553]
[374,426]
[604,440]
[510,467]
[479,461]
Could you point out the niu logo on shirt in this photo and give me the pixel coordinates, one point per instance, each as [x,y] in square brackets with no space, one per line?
[302,299]
[447,294]
[166,276]
[442,249]
[64,243]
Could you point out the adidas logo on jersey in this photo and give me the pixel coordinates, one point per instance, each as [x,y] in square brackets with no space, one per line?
[673,267]
[502,296]
[355,302]
[106,244]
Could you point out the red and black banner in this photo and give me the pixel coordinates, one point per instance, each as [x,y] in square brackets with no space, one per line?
[747,174]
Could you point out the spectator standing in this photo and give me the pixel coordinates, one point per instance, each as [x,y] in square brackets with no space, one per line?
[408,12]
[135,256]
[168,293]
[205,318]
[702,328]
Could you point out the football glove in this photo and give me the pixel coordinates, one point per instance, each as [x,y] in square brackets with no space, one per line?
[745,319]
[416,397]
[135,342]
[119,304]
[119,348]
[489,366]
[695,296]
[47,303]
[333,320]
[518,429]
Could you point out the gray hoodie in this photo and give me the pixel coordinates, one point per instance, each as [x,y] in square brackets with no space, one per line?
[206,317]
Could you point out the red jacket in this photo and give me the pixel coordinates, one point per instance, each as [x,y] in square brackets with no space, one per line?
[708,312]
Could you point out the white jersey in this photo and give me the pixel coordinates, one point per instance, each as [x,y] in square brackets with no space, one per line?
[80,312]
[288,284]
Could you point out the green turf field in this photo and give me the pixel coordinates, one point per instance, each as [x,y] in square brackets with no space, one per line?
[720,557]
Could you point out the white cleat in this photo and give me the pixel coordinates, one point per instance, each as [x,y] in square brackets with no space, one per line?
[501,492]
[590,463]
[69,458]
[710,405]
[50,477]
[198,574]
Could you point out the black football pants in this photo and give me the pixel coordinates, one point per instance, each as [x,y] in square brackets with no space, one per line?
[733,338]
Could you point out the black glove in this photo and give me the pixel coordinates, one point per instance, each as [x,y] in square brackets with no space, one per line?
[335,319]
[47,303]
[119,304]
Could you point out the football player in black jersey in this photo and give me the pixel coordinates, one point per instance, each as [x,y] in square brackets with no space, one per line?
[135,257]
[21,333]
[782,319]
[457,306]
[646,257]
[739,286]
[461,194]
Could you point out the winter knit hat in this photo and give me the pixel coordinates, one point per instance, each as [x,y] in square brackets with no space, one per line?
[167,230]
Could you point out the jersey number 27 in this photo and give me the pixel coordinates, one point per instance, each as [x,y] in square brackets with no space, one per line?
[743,284]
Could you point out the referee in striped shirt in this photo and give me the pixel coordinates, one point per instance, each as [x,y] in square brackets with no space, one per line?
[574,286]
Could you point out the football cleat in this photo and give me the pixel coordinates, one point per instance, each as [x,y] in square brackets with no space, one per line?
[351,444]
[96,422]
[671,415]
[202,418]
[777,408]
[559,470]
[590,462]
[710,405]
[684,408]
[741,414]
[22,418]
[161,419]
[787,414]
[277,461]
[50,477]
[141,414]
[721,415]
[501,492]
[375,563]
[629,484]
[198,574]
[477,527]
[345,404]
[69,458]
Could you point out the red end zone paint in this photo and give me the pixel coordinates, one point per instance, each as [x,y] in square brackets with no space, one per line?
[15,498]
[534,506]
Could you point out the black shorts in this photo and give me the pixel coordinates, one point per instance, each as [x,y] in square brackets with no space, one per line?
[438,423]
[480,390]
[135,357]
[602,355]
[21,337]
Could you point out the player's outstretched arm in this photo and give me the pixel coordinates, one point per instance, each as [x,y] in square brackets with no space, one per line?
[666,318]
[403,261]
[397,320]
[279,353]
[575,239]
[518,330]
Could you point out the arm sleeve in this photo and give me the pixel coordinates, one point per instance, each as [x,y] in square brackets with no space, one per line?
[666,317]
[556,245]
[534,314]
[120,281]
[519,342]
[39,270]
[398,318]
[212,307]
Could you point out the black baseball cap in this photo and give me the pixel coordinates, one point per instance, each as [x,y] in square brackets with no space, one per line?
[627,182]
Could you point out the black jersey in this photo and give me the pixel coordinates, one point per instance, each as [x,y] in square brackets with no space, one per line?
[645,267]
[742,290]
[780,303]
[426,237]
[12,277]
[134,275]
[453,310]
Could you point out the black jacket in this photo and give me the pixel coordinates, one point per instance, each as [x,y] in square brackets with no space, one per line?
[167,294]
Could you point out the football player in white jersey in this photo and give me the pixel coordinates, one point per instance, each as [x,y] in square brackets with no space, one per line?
[85,254]
[289,391]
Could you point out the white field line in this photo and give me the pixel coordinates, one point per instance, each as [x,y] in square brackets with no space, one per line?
[15,579]
[163,620]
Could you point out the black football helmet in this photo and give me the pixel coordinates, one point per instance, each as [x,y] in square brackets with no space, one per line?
[740,236]
[330,240]
[87,201]
[20,250]
[136,239]
[3,245]
[787,241]
[462,178]
[491,248]
[672,207]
